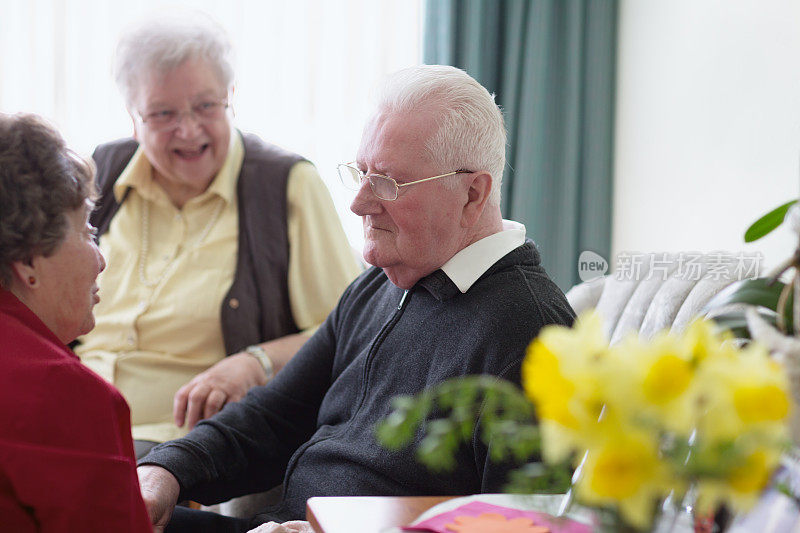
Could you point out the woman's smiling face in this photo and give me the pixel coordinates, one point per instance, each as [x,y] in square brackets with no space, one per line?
[187,157]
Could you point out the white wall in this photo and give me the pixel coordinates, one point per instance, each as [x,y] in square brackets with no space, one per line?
[708,123]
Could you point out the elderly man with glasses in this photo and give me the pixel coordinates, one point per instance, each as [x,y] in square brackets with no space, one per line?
[454,290]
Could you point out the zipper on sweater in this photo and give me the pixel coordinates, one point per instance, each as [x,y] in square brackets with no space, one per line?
[387,327]
[402,300]
[384,331]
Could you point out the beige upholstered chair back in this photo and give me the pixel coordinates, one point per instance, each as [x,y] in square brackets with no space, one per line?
[659,292]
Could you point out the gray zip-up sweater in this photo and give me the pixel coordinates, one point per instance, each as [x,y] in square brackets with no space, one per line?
[313,425]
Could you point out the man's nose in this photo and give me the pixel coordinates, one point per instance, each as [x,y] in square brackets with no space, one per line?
[365,202]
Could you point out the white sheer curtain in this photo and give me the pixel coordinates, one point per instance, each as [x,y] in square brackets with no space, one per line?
[305,69]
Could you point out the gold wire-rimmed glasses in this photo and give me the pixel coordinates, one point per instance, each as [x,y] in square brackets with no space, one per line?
[167,119]
[382,186]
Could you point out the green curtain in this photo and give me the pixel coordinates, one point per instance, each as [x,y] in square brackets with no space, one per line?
[551,64]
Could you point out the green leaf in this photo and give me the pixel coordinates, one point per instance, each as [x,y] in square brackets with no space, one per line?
[507,421]
[767,223]
[540,478]
[784,488]
[438,449]
[736,322]
[759,292]
[397,430]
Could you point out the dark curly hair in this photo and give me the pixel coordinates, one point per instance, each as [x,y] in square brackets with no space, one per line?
[41,180]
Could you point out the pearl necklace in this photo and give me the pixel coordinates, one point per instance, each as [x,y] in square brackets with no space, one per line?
[145,245]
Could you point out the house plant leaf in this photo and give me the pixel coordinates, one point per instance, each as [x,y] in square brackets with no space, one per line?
[767,223]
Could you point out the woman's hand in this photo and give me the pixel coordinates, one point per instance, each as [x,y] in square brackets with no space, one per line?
[227,381]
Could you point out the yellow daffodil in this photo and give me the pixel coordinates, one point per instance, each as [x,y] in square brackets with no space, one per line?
[751,475]
[744,482]
[747,394]
[625,471]
[702,341]
[653,383]
[556,365]
[654,417]
[546,385]
[667,378]
[766,402]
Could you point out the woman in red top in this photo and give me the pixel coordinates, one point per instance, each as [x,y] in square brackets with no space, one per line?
[66,455]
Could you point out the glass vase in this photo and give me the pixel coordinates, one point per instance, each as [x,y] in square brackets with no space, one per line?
[668,517]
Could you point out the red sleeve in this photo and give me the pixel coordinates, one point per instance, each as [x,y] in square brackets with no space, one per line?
[14,516]
[69,490]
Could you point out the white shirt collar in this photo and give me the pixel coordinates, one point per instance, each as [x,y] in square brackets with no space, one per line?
[469,264]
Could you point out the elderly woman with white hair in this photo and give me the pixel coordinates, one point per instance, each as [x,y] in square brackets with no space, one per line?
[223,251]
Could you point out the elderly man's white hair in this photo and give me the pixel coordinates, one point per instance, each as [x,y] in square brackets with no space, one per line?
[471,133]
[163,41]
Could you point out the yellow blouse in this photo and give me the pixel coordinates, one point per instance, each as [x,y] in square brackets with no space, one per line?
[158,319]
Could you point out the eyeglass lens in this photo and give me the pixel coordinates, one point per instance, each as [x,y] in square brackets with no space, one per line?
[203,112]
[383,188]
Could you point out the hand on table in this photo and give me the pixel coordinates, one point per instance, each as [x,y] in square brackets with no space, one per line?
[227,381]
[160,492]
[295,526]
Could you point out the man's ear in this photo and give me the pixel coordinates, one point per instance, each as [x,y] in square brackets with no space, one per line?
[480,186]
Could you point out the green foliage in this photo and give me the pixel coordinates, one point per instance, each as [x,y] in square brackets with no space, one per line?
[446,416]
[736,322]
[697,460]
[762,293]
[538,478]
[767,223]
[772,299]
[784,488]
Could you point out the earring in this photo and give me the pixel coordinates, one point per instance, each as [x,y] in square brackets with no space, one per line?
[31,280]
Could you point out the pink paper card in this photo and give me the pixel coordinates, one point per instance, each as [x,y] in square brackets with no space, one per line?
[476,517]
